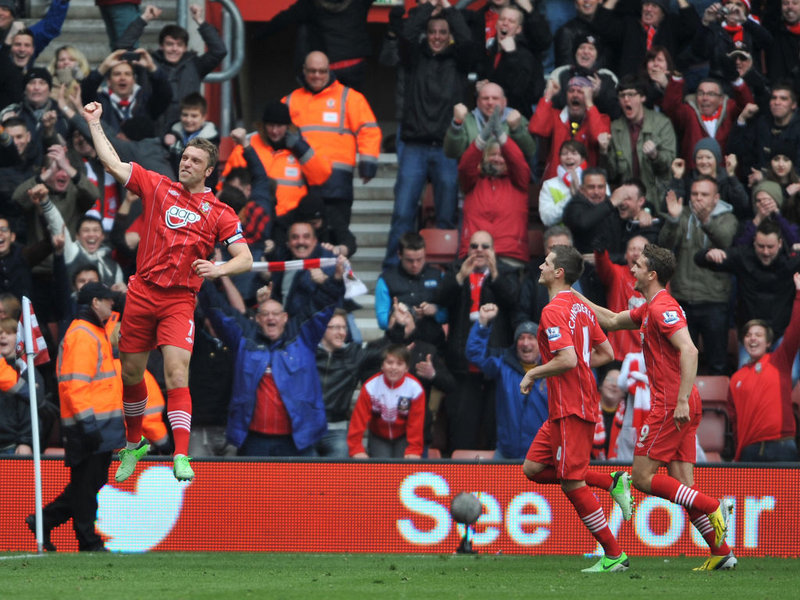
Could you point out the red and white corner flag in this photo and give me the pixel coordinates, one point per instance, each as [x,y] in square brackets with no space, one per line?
[39,350]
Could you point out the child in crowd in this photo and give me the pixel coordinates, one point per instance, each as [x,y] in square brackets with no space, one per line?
[557,191]
[392,405]
[192,124]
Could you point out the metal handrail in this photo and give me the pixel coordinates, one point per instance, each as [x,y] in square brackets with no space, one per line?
[233,37]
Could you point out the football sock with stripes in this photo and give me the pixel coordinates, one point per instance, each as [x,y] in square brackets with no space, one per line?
[179,413]
[134,401]
[591,513]
[703,525]
[673,490]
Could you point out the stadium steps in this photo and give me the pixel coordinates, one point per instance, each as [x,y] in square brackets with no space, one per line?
[372,215]
[84,29]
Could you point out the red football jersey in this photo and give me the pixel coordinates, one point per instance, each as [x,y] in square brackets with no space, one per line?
[566,321]
[659,320]
[178,228]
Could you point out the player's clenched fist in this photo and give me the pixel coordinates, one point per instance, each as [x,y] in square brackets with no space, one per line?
[92,111]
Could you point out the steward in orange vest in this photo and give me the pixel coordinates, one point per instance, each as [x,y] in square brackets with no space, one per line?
[339,124]
[282,155]
[90,391]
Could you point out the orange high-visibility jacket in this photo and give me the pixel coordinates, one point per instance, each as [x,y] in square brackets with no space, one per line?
[90,390]
[8,376]
[153,427]
[338,123]
[291,175]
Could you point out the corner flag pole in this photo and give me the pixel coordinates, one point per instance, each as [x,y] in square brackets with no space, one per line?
[37,454]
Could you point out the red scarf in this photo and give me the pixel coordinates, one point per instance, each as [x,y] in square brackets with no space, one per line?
[713,117]
[735,31]
[651,33]
[491,25]
[475,285]
[566,178]
[795,29]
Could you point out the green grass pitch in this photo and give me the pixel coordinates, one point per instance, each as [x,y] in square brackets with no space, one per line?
[219,576]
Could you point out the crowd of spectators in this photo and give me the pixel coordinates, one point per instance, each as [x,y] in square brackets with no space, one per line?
[621,124]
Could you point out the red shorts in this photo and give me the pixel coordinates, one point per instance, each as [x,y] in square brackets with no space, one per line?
[156,316]
[565,444]
[660,440]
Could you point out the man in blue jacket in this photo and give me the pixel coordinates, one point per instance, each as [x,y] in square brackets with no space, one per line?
[519,416]
[276,406]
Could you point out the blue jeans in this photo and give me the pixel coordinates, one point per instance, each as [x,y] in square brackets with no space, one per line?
[420,162]
[256,444]
[117,17]
[777,451]
[333,444]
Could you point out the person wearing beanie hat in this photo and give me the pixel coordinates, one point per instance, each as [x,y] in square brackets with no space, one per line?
[519,416]
[586,62]
[276,113]
[277,152]
[767,200]
[709,161]
[580,26]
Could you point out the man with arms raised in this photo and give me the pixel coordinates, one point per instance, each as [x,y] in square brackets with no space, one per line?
[183,223]
[668,435]
[560,451]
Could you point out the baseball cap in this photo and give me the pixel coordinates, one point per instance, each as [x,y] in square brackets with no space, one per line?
[92,290]
[741,48]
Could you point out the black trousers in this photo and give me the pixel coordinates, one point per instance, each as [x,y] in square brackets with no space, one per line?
[471,419]
[78,501]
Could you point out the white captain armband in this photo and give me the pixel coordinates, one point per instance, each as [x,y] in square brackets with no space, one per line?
[235,237]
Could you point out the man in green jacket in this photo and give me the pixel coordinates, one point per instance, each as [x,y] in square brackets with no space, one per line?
[642,143]
[704,223]
[465,126]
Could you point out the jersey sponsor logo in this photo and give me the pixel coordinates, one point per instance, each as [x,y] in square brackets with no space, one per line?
[177,217]
[291,171]
[670,317]
[330,117]
[431,283]
[553,333]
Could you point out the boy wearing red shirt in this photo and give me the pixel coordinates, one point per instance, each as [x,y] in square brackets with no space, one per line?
[392,405]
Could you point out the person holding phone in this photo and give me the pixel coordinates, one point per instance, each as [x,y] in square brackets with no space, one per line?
[128,84]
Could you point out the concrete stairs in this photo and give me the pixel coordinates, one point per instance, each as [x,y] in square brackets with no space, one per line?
[372,215]
[84,29]
[372,208]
